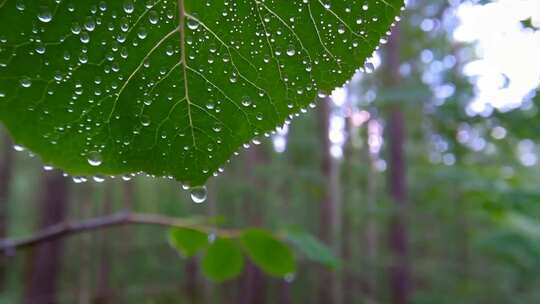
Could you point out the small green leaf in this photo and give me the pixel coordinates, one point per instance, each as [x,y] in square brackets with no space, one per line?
[187,241]
[313,249]
[223,260]
[270,254]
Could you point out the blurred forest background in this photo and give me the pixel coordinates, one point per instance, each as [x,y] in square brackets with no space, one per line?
[420,175]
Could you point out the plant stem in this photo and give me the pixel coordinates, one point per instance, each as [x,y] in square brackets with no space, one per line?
[8,246]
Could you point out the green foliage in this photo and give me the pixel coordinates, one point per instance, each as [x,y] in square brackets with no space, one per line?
[271,255]
[223,260]
[171,88]
[312,248]
[187,241]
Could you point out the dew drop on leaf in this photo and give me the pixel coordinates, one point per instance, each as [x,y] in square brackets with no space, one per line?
[128,6]
[99,178]
[291,51]
[26,82]
[193,24]
[198,194]
[369,68]
[94,159]
[18,148]
[45,15]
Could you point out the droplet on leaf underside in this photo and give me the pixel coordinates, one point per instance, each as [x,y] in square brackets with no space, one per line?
[198,194]
[94,159]
[45,15]
[192,24]
[369,67]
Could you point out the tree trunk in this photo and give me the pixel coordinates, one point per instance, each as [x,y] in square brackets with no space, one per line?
[328,207]
[395,137]
[253,284]
[45,259]
[284,292]
[347,280]
[209,290]
[6,171]
[191,286]
[371,226]
[104,291]
[83,194]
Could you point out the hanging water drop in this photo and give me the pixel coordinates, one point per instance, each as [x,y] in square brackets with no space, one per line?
[98,178]
[18,148]
[198,194]
[369,67]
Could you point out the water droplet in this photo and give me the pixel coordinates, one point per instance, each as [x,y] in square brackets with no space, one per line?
[128,6]
[369,67]
[94,159]
[289,278]
[20,6]
[145,120]
[26,82]
[153,17]
[142,33]
[246,101]
[18,148]
[198,194]
[99,178]
[193,24]
[291,51]
[44,14]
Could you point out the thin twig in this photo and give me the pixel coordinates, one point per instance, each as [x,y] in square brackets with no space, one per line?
[9,246]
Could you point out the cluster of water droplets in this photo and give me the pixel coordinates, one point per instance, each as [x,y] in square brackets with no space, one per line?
[263,53]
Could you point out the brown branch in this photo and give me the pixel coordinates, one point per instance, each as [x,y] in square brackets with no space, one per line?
[9,246]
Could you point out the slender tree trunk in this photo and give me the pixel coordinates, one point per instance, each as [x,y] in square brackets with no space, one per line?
[84,196]
[463,256]
[348,280]
[209,289]
[128,189]
[45,260]
[284,292]
[191,286]
[327,211]
[253,284]
[6,171]
[400,282]
[336,226]
[371,227]
[104,291]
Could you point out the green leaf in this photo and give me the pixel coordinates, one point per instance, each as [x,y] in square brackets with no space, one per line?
[313,249]
[223,260]
[187,241]
[171,88]
[270,254]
